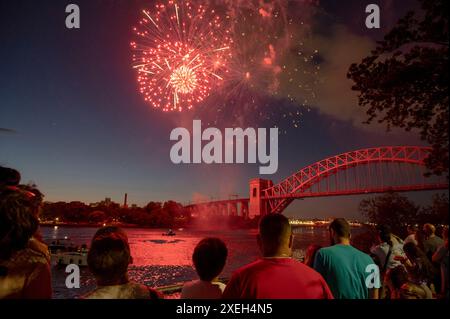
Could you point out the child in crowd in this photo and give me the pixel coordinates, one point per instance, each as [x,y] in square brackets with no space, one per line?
[108,260]
[209,258]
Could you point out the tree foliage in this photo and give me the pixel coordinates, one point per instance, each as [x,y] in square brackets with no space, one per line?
[403,83]
[437,212]
[97,216]
[391,209]
[398,211]
[154,214]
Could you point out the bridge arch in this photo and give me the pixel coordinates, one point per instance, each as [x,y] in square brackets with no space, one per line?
[280,195]
[267,197]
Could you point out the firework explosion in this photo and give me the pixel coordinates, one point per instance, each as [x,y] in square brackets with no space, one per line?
[180,54]
[239,62]
[273,70]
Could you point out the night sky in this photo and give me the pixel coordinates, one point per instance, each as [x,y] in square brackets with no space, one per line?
[74,123]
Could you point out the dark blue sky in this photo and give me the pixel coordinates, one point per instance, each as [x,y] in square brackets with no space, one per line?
[83,132]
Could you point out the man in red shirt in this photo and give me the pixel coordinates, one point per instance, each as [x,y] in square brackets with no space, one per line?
[276,275]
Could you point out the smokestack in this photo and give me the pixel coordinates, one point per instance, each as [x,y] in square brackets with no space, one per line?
[125,201]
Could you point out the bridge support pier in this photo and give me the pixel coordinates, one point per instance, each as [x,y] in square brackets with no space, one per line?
[243,212]
[223,209]
[233,209]
[213,209]
[258,206]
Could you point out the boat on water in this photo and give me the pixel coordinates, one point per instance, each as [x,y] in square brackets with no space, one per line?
[170,232]
[63,252]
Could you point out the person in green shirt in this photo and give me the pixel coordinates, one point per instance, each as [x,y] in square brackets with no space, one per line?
[345,268]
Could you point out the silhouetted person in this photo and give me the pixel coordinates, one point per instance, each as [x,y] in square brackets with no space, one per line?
[24,260]
[420,269]
[441,257]
[9,177]
[276,275]
[108,260]
[209,258]
[404,288]
[432,241]
[343,266]
[390,246]
[36,198]
[412,235]
[431,244]
[310,255]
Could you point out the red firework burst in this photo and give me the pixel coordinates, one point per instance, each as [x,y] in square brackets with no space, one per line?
[180,54]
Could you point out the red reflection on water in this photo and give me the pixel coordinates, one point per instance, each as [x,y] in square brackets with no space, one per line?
[150,247]
[162,260]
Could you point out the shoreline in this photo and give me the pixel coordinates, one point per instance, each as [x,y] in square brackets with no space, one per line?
[130,226]
[94,225]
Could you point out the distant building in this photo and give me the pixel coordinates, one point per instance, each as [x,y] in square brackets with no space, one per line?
[125,200]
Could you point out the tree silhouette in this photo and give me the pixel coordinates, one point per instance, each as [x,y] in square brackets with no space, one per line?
[398,211]
[437,212]
[390,209]
[403,82]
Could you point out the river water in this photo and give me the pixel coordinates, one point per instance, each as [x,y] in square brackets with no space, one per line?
[160,260]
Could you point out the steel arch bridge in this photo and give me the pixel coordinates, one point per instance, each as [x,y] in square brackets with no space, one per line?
[300,184]
[370,170]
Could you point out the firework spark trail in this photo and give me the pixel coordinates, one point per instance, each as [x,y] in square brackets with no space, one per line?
[250,61]
[180,54]
[271,62]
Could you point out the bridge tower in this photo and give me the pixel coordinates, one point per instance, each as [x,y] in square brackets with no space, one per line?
[258,206]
